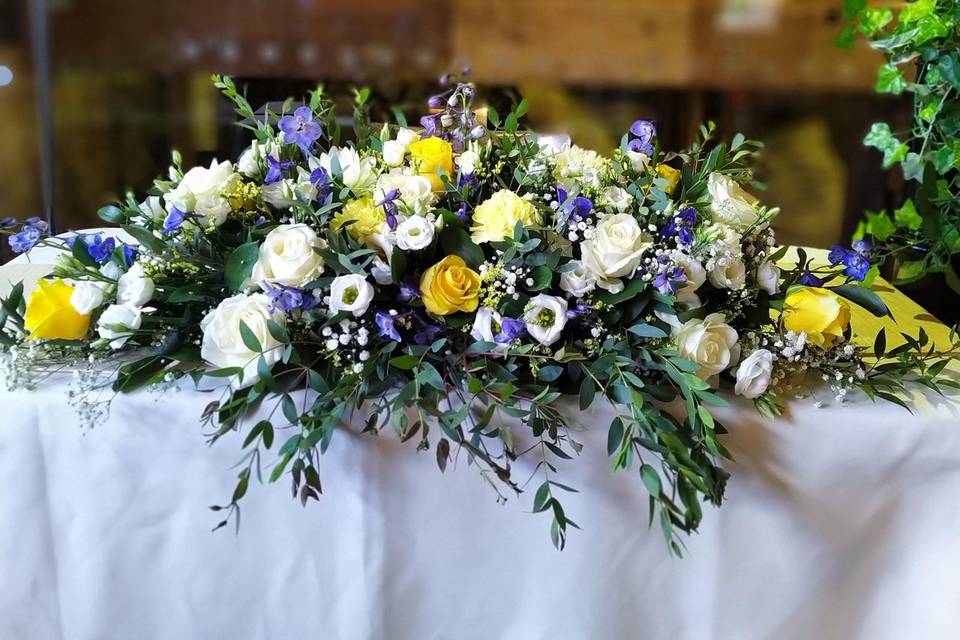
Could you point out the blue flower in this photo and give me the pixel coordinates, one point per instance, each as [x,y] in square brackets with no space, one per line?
[173,220]
[129,255]
[320,179]
[25,240]
[276,169]
[855,261]
[386,326]
[681,226]
[510,330]
[427,332]
[645,131]
[390,208]
[577,209]
[100,248]
[300,128]
[856,266]
[289,299]
[37,223]
[409,289]
[809,280]
[837,254]
[6,223]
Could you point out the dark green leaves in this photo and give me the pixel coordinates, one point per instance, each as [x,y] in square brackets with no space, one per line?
[863,297]
[457,242]
[239,265]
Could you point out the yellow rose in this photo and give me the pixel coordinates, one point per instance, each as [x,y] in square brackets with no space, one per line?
[50,315]
[450,286]
[430,155]
[819,313]
[671,175]
[496,216]
[365,218]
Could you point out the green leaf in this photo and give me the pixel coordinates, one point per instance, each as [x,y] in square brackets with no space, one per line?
[863,297]
[651,479]
[912,12]
[404,362]
[588,391]
[145,238]
[112,214]
[880,343]
[881,137]
[907,216]
[456,241]
[911,271]
[239,265]
[847,37]
[647,331]
[879,225]
[874,19]
[550,373]
[852,8]
[890,80]
[81,252]
[632,288]
[249,338]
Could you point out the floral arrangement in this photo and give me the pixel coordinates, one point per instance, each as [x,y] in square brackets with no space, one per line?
[456,280]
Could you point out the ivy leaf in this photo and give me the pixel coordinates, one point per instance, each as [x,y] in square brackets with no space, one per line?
[881,137]
[852,8]
[847,38]
[873,19]
[239,265]
[907,216]
[879,225]
[911,271]
[890,80]
[944,158]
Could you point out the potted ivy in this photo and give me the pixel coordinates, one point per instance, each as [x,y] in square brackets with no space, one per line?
[919,242]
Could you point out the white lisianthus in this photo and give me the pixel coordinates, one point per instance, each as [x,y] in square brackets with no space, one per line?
[110,270]
[118,322]
[730,204]
[288,256]
[287,192]
[768,277]
[415,233]
[578,281]
[200,192]
[381,272]
[753,374]
[711,343]
[358,174]
[695,276]
[615,250]
[134,287]
[468,161]
[351,293]
[222,344]
[151,210]
[87,296]
[729,273]
[252,159]
[416,192]
[640,161]
[486,326]
[545,318]
[616,198]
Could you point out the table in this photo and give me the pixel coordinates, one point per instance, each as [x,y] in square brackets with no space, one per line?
[840,522]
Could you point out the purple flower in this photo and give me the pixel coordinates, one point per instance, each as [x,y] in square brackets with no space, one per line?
[431,125]
[645,131]
[276,169]
[386,326]
[468,180]
[855,261]
[809,280]
[578,209]
[289,299]
[260,221]
[510,330]
[389,204]
[427,332]
[856,266]
[681,226]
[320,179]
[437,101]
[129,255]
[837,254]
[862,247]
[6,223]
[408,290]
[578,310]
[462,211]
[100,248]
[25,240]
[173,220]
[300,128]
[37,223]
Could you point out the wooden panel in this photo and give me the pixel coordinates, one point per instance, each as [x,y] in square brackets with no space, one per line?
[624,42]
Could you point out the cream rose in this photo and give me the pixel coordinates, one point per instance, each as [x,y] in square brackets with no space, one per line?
[415,233]
[87,296]
[545,318]
[711,343]
[351,293]
[729,273]
[730,204]
[395,150]
[768,277]
[199,191]
[222,345]
[416,194]
[695,274]
[134,287]
[287,256]
[616,198]
[615,250]
[753,374]
[578,281]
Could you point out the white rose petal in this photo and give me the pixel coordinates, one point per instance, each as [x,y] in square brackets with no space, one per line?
[222,344]
[415,233]
[578,281]
[350,293]
[416,192]
[768,277]
[753,374]
[358,174]
[731,274]
[200,192]
[134,287]
[118,322]
[467,161]
[711,343]
[87,296]
[730,204]
[616,198]
[288,256]
[615,250]
[545,318]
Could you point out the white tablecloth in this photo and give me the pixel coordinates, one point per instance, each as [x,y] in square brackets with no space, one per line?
[841,522]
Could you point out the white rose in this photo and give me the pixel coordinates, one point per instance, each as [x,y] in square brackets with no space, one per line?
[118,322]
[350,293]
[415,233]
[253,157]
[416,192]
[395,150]
[578,281]
[729,273]
[87,296]
[753,374]
[768,277]
[695,275]
[711,343]
[640,161]
[545,318]
[359,175]
[615,250]
[486,326]
[287,256]
[222,344]
[616,198]
[468,161]
[134,288]
[110,270]
[730,204]
[199,191]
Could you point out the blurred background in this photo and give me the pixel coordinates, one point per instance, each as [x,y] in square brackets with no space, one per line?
[94,93]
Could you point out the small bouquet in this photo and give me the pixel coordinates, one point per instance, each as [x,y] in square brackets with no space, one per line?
[456,279]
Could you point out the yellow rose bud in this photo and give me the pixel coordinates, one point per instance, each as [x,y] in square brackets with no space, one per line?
[671,175]
[819,313]
[495,218]
[50,316]
[430,155]
[362,218]
[450,286]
